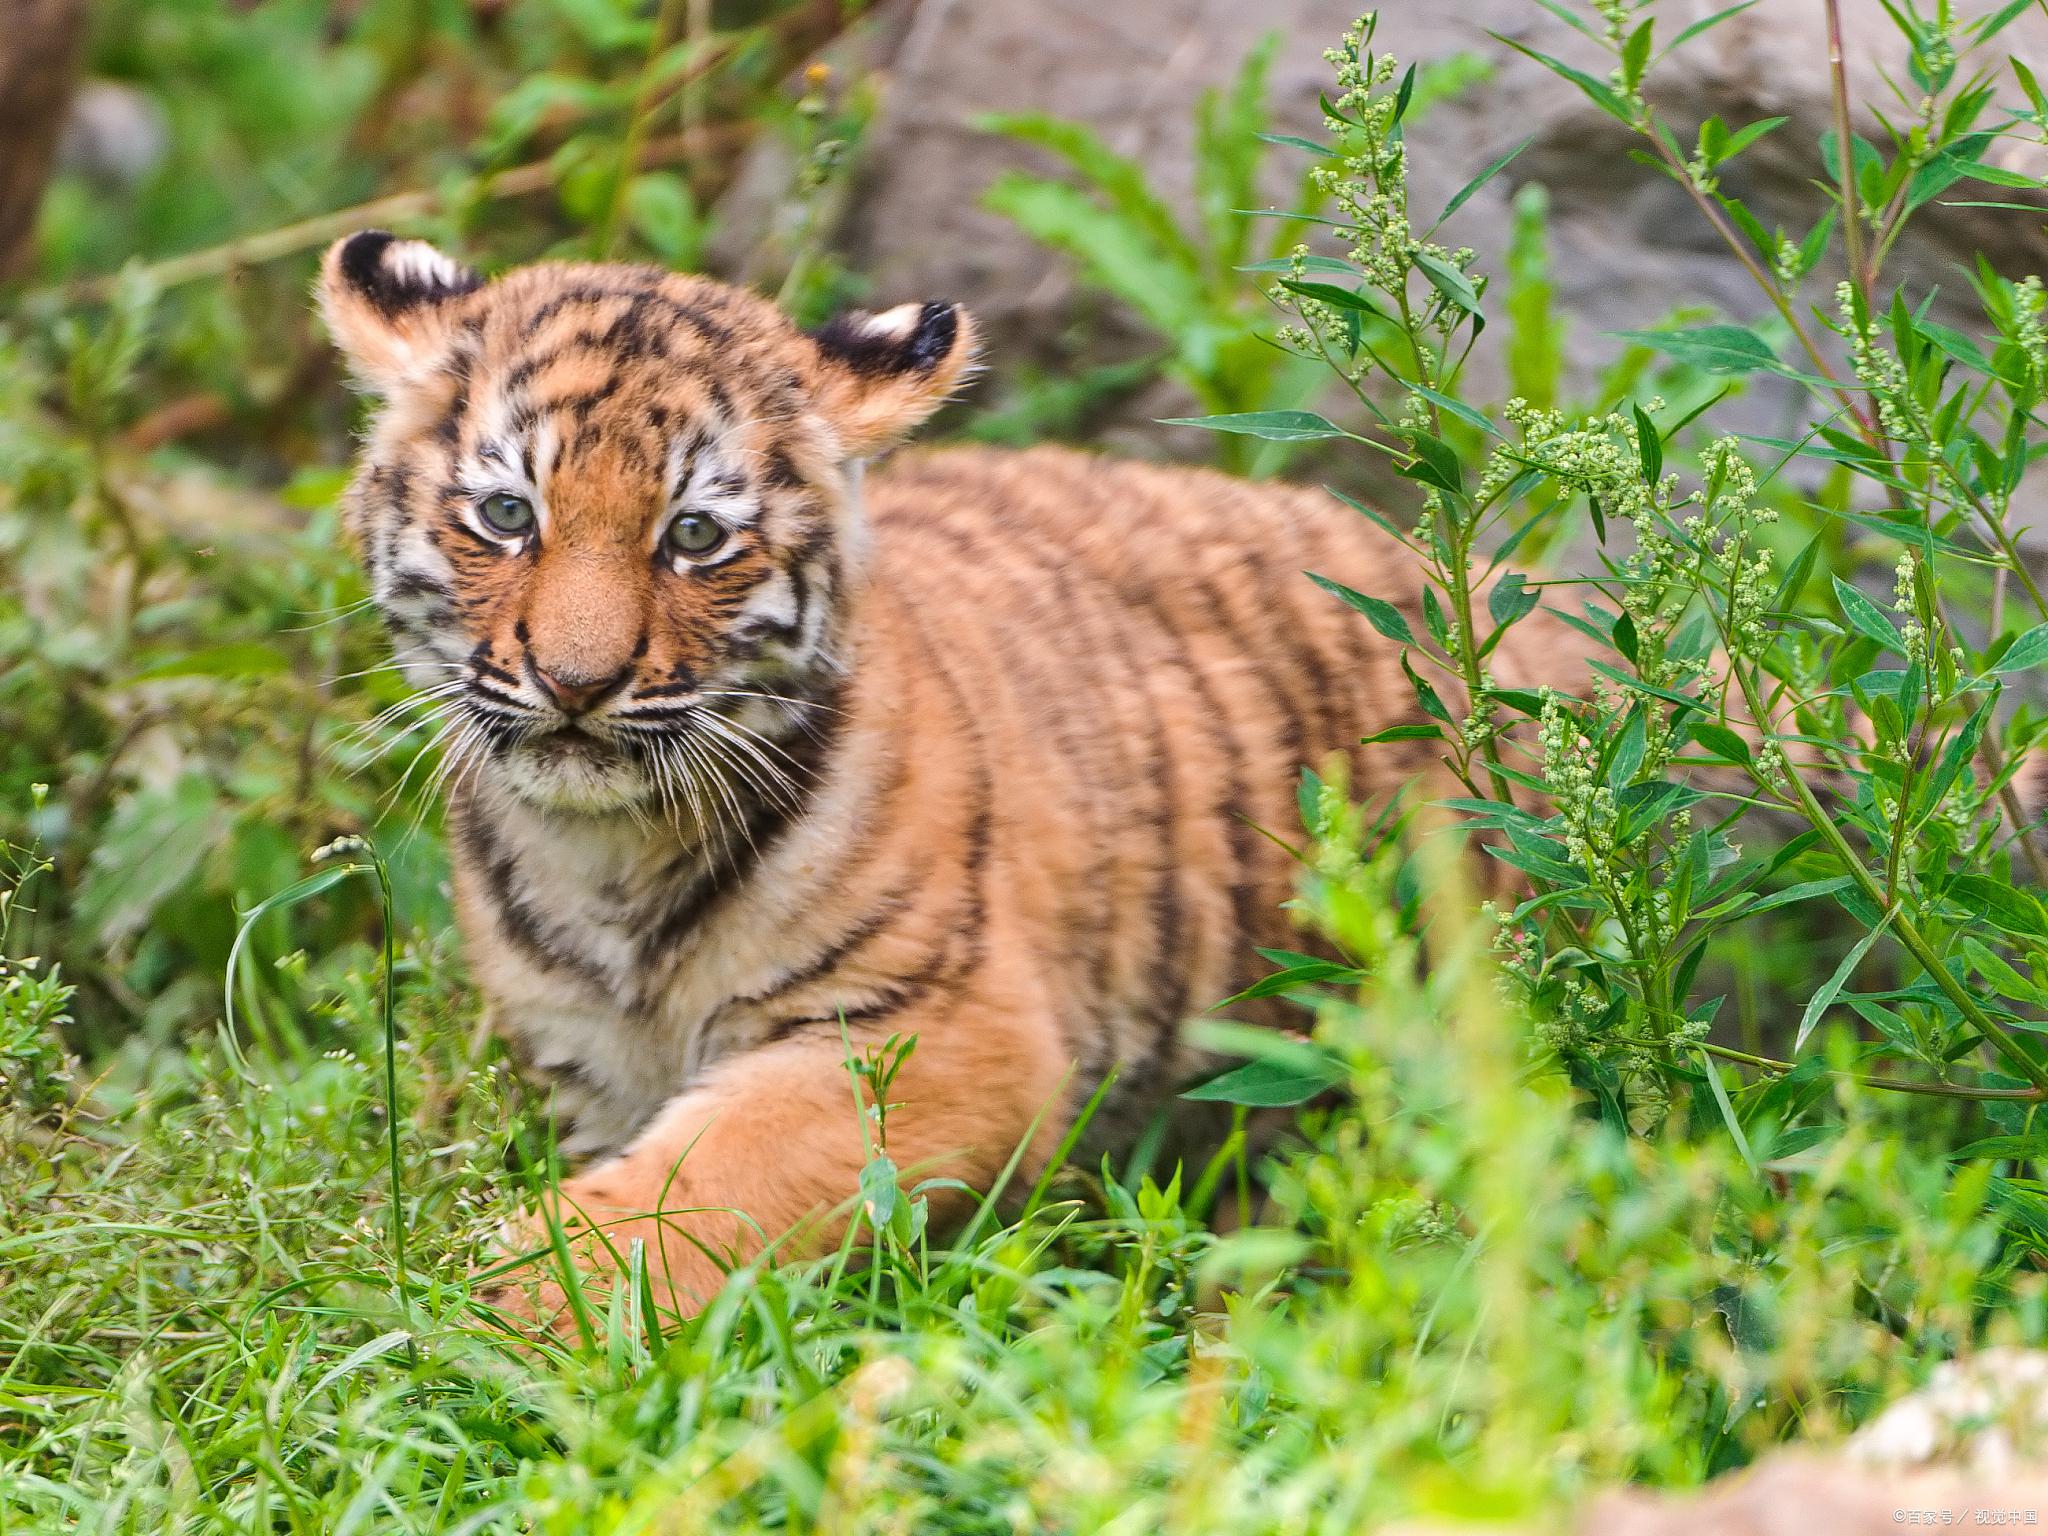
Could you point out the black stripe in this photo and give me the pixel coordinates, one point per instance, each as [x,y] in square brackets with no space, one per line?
[411,584]
[769,824]
[522,926]
[886,911]
[1168,975]
[1086,934]
[449,428]
[688,314]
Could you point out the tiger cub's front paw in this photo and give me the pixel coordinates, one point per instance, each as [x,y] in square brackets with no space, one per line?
[602,1231]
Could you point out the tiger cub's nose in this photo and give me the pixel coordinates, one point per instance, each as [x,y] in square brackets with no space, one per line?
[574,695]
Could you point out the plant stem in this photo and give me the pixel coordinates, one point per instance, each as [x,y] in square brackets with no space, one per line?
[376,869]
[1857,409]
[400,208]
[1908,935]
[667,22]
[1890,1084]
[1845,155]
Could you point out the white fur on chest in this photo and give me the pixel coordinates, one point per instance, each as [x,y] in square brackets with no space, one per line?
[616,1034]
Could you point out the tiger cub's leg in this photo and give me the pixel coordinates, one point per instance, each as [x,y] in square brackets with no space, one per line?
[770,1143]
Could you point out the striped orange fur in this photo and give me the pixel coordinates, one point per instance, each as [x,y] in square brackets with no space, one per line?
[974,749]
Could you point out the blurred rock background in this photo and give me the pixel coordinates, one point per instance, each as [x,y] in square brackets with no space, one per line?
[912,220]
[1623,237]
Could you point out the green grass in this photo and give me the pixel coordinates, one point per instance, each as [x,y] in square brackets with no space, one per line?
[1462,1296]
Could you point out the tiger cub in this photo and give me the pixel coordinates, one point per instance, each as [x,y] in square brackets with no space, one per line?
[750,748]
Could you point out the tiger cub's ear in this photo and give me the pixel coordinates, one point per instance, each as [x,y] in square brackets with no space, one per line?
[386,303]
[876,376]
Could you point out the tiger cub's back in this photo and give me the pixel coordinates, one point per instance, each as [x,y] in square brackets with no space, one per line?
[1146,649]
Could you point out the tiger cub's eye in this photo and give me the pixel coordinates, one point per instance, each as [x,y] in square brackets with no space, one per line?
[694,534]
[505,513]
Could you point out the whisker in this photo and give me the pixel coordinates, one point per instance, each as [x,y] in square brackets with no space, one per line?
[433,701]
[419,696]
[398,790]
[770,781]
[776,698]
[695,749]
[331,615]
[678,775]
[656,769]
[456,754]
[768,742]
[399,666]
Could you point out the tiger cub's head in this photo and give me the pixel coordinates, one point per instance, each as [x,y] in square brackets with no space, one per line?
[610,513]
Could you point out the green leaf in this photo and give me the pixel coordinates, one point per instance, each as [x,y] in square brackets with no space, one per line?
[1294,976]
[1283,958]
[1425,695]
[1815,245]
[1377,519]
[1742,138]
[1831,988]
[879,1191]
[1866,618]
[1329,266]
[1457,408]
[1511,599]
[1713,1072]
[356,1359]
[150,849]
[1123,255]
[1335,297]
[1796,575]
[1464,194]
[1957,346]
[1543,864]
[2002,1148]
[1631,746]
[2001,905]
[1988,27]
[1897,1032]
[1602,96]
[1763,240]
[1402,733]
[2028,83]
[663,214]
[1704,23]
[1635,52]
[1652,446]
[1960,749]
[1120,180]
[1295,141]
[1625,640]
[1642,806]
[1448,281]
[1962,162]
[1275,426]
[2030,650]
[1637,685]
[1723,349]
[241,658]
[1274,1082]
[1808,890]
[1436,463]
[1994,969]
[1382,615]
[1721,741]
